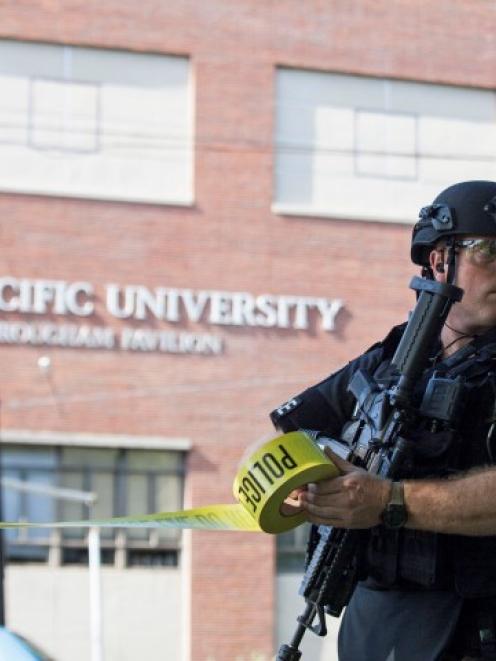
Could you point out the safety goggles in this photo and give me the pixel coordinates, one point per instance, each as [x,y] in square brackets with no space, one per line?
[482,251]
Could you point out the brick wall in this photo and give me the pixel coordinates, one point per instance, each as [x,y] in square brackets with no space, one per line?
[228,239]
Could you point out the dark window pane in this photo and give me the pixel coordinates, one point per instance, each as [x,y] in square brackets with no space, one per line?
[72,510]
[131,482]
[291,549]
[79,555]
[103,484]
[75,556]
[14,456]
[90,457]
[165,460]
[26,553]
[30,466]
[168,498]
[152,558]
[39,508]
[137,502]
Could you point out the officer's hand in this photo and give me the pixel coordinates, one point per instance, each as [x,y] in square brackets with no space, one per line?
[355,499]
[292,503]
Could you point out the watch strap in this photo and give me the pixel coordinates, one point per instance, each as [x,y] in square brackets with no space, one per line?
[395,514]
[397,496]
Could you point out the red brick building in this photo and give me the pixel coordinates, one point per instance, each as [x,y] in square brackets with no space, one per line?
[187,192]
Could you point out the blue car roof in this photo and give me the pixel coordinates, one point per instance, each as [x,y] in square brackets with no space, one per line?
[14,648]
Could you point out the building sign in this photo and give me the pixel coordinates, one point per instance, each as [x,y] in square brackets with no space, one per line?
[80,301]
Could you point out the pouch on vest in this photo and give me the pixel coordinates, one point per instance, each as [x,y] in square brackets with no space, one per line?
[382,556]
[424,559]
[432,454]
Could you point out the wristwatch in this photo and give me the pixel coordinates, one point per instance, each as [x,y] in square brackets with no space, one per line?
[395,515]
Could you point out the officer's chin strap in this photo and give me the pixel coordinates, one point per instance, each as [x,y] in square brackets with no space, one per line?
[452,262]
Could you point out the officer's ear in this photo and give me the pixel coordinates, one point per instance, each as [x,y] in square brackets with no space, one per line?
[437,263]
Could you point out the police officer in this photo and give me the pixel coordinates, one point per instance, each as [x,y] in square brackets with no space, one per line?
[430,591]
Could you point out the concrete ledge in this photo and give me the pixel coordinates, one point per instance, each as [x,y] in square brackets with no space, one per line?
[28,437]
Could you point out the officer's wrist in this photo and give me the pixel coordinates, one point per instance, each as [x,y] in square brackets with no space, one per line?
[395,515]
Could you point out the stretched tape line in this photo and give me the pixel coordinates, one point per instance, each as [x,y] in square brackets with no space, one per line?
[260,486]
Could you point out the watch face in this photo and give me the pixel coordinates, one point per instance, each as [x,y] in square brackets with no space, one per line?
[394,516]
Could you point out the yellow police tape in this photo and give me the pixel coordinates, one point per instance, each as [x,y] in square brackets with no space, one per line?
[261,484]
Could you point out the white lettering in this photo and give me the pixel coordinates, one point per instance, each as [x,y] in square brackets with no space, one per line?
[194,303]
[169,342]
[59,303]
[148,301]
[267,307]
[25,296]
[114,302]
[65,335]
[77,300]
[43,294]
[301,313]
[8,301]
[243,310]
[172,312]
[220,308]
[170,305]
[284,304]
[329,311]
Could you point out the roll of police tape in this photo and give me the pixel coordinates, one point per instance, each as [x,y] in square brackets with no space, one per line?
[273,471]
[261,485]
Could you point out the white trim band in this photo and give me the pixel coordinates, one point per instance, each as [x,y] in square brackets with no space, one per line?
[28,437]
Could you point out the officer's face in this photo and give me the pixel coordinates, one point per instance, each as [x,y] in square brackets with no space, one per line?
[476,275]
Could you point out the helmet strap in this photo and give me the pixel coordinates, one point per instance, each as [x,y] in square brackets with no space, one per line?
[427,273]
[452,265]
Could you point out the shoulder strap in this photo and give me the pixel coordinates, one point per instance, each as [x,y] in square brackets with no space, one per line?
[474,359]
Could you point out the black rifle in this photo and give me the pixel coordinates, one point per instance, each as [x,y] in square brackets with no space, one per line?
[384,415]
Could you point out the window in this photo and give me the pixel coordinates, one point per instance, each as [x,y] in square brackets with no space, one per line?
[291,549]
[95,123]
[126,482]
[64,116]
[372,149]
[385,145]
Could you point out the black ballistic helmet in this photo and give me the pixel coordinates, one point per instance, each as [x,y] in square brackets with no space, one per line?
[464,209]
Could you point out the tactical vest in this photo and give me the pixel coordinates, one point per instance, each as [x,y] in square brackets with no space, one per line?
[412,559]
